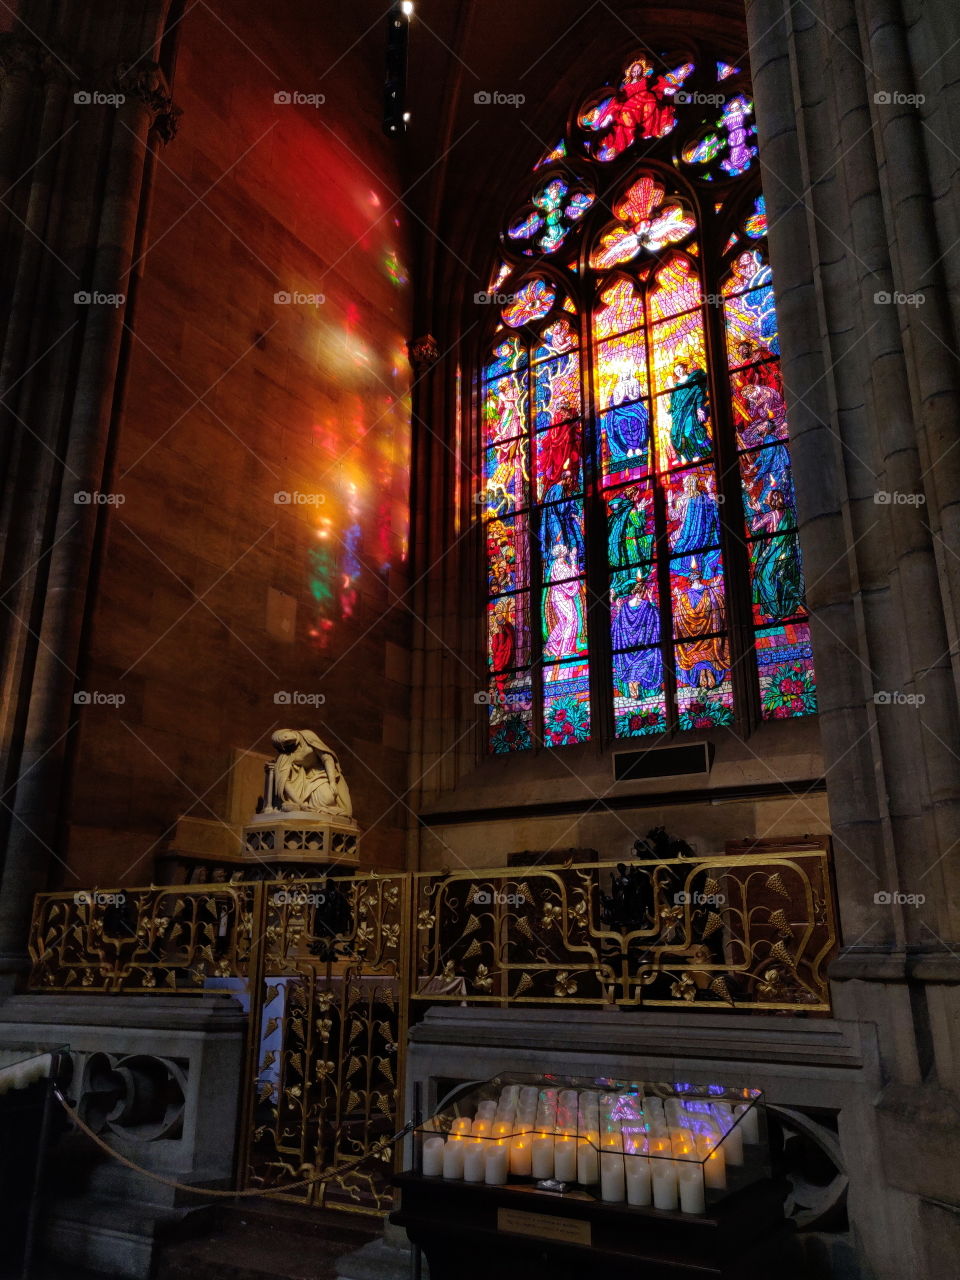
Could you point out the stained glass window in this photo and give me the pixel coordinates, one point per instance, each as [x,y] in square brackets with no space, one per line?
[643,567]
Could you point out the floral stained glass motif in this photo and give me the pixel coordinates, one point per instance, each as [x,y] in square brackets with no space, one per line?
[531,302]
[566,704]
[510,700]
[785,661]
[646,222]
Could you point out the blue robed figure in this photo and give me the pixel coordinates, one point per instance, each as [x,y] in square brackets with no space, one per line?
[627,423]
[688,413]
[561,522]
[699,528]
[637,622]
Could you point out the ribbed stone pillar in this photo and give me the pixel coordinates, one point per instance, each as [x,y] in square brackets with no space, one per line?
[75,188]
[871,374]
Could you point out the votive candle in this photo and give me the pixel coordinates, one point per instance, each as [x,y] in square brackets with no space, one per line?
[638,1180]
[496,1164]
[521,1157]
[612,1182]
[690,1180]
[433,1157]
[453,1153]
[565,1159]
[541,1155]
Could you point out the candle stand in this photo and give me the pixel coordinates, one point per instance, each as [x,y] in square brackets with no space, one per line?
[557,1178]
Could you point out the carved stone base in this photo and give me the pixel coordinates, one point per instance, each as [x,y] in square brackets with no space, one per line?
[301,836]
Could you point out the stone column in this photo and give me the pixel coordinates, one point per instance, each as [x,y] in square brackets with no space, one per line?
[82,191]
[871,386]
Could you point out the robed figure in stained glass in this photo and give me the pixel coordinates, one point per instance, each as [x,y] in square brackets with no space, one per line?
[563,612]
[699,610]
[777,576]
[640,107]
[629,539]
[628,422]
[699,526]
[636,622]
[688,413]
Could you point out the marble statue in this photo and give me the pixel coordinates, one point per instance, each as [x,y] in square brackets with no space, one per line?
[307,776]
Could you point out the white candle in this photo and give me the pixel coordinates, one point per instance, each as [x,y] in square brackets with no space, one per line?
[612,1185]
[588,1170]
[750,1124]
[733,1146]
[453,1154]
[433,1157]
[639,1190]
[481,1128]
[487,1110]
[495,1165]
[541,1157]
[714,1167]
[473,1161]
[521,1157]
[565,1159]
[664,1184]
[462,1124]
[691,1189]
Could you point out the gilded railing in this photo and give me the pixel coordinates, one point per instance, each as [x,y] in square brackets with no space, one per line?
[142,940]
[728,932]
[330,969]
[332,1017]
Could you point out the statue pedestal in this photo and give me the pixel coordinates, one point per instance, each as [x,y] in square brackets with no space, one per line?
[272,846]
[299,837]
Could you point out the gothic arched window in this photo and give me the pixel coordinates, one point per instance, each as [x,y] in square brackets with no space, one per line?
[643,567]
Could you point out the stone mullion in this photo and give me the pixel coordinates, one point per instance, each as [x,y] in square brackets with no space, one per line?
[778,61]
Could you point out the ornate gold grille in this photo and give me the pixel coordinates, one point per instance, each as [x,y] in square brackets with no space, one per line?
[330,969]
